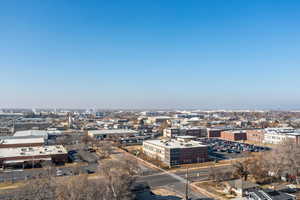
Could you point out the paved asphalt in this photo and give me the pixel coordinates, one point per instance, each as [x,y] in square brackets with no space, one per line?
[18,175]
[155,178]
[162,179]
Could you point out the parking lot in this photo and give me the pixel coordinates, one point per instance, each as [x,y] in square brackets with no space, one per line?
[222,149]
[84,162]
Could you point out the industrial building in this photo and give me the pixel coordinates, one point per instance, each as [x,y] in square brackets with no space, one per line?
[21,141]
[39,133]
[23,156]
[181,150]
[111,133]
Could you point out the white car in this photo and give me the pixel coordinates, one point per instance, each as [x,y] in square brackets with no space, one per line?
[59,173]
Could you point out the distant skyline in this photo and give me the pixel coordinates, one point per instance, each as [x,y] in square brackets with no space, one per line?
[213,54]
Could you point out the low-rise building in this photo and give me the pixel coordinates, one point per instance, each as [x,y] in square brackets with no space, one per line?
[111,133]
[279,135]
[158,119]
[6,131]
[32,155]
[40,133]
[181,150]
[214,132]
[191,131]
[171,132]
[194,131]
[234,135]
[21,141]
[255,135]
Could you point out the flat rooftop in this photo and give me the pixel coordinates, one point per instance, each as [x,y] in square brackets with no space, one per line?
[283,131]
[112,131]
[185,137]
[32,151]
[22,140]
[174,144]
[32,133]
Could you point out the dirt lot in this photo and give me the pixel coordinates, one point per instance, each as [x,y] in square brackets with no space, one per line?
[165,192]
[213,189]
[134,148]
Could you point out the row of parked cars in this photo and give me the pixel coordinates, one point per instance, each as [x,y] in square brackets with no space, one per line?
[137,139]
[73,156]
[219,145]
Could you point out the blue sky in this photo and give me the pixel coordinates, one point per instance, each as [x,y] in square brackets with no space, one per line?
[150,54]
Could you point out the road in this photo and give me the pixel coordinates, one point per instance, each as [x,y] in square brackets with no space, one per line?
[173,180]
[163,179]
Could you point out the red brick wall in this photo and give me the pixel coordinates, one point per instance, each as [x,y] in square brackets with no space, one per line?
[213,133]
[255,135]
[233,135]
[193,155]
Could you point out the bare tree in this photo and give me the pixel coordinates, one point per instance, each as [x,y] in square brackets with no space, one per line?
[118,178]
[241,169]
[75,188]
[37,189]
[105,148]
[285,158]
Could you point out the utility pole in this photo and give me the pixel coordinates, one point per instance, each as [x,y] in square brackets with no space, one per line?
[187,184]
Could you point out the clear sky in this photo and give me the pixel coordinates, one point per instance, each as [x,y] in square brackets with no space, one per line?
[150,54]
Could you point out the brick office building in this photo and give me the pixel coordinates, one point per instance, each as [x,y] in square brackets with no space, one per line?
[214,132]
[195,131]
[256,135]
[234,135]
[176,151]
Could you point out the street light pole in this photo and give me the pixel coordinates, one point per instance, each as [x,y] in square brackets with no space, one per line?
[187,185]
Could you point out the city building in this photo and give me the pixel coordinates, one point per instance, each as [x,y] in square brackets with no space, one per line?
[214,132]
[171,132]
[279,135]
[21,124]
[234,135]
[255,135]
[194,131]
[111,133]
[181,150]
[158,119]
[23,156]
[5,131]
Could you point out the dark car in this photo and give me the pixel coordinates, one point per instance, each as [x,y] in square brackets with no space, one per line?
[89,171]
